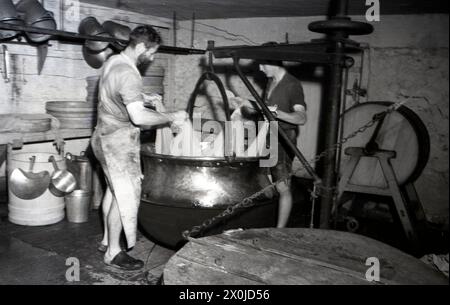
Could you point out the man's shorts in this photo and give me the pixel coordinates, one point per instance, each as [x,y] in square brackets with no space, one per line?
[283,168]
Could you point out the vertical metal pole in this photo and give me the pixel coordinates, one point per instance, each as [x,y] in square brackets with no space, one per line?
[61,15]
[331,135]
[341,120]
[174,28]
[341,8]
[192,30]
[331,130]
[210,46]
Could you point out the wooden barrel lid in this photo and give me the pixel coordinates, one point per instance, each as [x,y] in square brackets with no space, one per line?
[68,105]
[76,114]
[77,109]
[154,71]
[25,122]
[153,89]
[152,80]
[292,256]
[77,122]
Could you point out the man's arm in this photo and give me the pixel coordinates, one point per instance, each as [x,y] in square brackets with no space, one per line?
[141,115]
[237,101]
[131,93]
[297,117]
[297,113]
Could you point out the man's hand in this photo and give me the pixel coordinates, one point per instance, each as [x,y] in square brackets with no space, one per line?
[237,101]
[273,109]
[249,113]
[178,118]
[153,100]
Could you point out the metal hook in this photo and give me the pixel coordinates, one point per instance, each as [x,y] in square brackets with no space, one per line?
[210,58]
[5,64]
[23,71]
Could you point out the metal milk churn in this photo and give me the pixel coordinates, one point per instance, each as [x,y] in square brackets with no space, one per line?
[81,168]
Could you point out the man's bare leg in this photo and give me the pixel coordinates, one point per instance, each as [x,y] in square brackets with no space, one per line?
[114,224]
[114,255]
[106,206]
[284,204]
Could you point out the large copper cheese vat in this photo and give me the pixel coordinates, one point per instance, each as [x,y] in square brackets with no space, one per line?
[181,192]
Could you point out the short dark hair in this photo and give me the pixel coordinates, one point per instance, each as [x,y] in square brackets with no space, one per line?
[270,62]
[146,34]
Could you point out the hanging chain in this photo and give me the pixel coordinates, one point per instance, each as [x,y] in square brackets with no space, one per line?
[314,196]
[315,193]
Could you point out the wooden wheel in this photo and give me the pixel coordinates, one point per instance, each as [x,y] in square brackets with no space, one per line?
[402,131]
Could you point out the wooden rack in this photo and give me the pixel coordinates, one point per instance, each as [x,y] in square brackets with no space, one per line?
[63,35]
[51,135]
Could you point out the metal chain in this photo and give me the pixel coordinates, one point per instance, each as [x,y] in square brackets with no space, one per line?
[314,197]
[315,193]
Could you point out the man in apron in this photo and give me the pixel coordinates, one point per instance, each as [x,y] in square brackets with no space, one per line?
[116,141]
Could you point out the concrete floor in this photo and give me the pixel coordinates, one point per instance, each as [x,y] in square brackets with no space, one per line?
[38,255]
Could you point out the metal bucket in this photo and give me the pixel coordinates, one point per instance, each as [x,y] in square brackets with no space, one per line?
[118,31]
[78,206]
[36,15]
[90,26]
[46,23]
[7,10]
[62,182]
[92,88]
[9,15]
[32,10]
[96,59]
[181,192]
[81,168]
[43,210]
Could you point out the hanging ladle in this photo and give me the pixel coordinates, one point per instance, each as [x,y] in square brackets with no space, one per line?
[62,181]
[29,185]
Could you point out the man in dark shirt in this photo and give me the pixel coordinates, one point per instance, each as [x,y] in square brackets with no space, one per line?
[284,96]
[285,92]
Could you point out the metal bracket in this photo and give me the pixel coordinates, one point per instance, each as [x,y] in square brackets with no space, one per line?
[356,91]
[16,144]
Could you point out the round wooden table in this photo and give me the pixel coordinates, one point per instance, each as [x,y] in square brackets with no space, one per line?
[294,256]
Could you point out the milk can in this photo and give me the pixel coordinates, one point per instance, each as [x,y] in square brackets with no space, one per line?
[81,168]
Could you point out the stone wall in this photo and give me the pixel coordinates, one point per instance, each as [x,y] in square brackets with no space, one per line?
[420,76]
[406,58]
